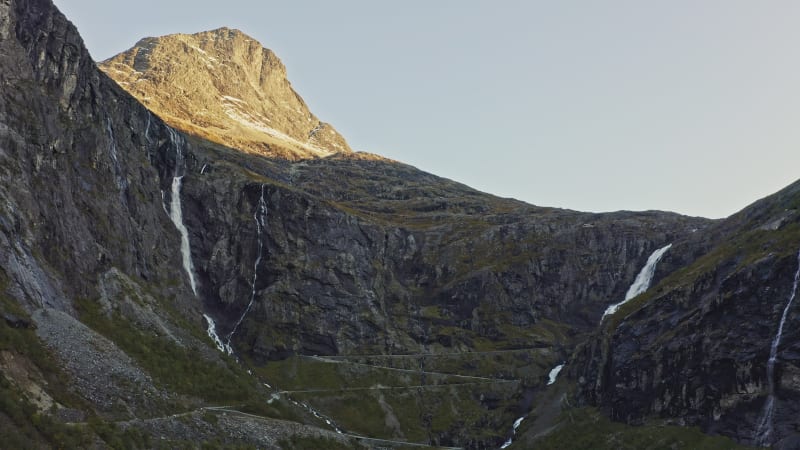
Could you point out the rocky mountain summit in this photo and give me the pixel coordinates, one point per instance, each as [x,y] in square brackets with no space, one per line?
[223,85]
[220,270]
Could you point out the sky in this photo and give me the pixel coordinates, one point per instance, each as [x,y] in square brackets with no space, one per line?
[682,105]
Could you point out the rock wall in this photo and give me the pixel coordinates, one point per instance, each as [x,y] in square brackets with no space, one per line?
[695,349]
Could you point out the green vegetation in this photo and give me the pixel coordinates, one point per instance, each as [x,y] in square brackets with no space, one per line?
[182,370]
[23,424]
[214,444]
[299,373]
[471,411]
[743,249]
[528,365]
[119,438]
[315,443]
[586,428]
[391,404]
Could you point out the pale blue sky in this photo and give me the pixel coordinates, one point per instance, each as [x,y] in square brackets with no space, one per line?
[684,105]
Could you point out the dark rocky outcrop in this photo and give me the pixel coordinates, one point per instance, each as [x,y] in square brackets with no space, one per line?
[695,347]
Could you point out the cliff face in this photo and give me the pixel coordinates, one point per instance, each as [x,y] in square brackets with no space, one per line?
[696,347]
[225,86]
[79,170]
[336,276]
[358,253]
[99,327]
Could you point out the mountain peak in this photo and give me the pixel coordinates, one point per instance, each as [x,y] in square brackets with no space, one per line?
[225,33]
[225,86]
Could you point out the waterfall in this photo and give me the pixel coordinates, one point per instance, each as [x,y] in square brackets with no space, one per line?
[318,415]
[112,146]
[147,129]
[554,374]
[640,284]
[177,142]
[642,281]
[764,430]
[551,379]
[177,218]
[260,217]
[175,213]
[122,183]
[513,432]
[212,333]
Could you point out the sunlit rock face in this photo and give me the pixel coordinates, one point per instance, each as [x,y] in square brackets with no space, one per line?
[225,86]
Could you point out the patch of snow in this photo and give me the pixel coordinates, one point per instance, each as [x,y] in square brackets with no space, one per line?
[199,49]
[249,121]
[233,99]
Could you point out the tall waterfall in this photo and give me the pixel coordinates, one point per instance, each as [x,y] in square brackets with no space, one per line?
[642,281]
[175,213]
[260,217]
[764,430]
[640,284]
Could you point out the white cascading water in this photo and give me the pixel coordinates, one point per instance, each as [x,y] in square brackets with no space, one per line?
[317,414]
[554,374]
[260,217]
[764,430]
[175,213]
[177,218]
[122,183]
[642,281]
[513,432]
[112,146]
[212,333]
[147,129]
[551,378]
[640,284]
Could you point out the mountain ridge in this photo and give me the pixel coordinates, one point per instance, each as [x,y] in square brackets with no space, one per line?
[226,86]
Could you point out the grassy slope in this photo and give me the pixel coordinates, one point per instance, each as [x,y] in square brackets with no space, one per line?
[586,428]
